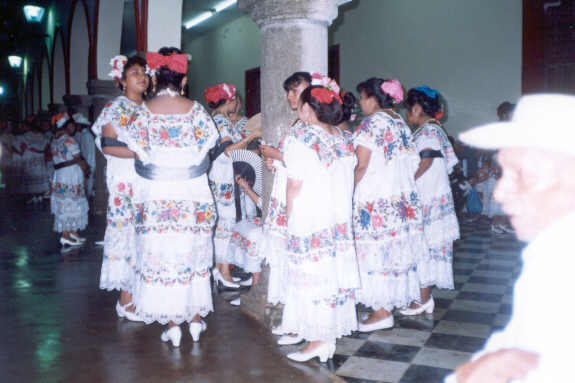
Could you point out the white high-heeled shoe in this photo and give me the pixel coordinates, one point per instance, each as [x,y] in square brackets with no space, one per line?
[278,330]
[173,334]
[236,302]
[196,328]
[427,307]
[68,242]
[382,324]
[248,282]
[129,315]
[219,278]
[78,238]
[324,352]
[287,340]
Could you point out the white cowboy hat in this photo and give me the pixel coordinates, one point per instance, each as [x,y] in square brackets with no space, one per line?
[539,121]
[79,118]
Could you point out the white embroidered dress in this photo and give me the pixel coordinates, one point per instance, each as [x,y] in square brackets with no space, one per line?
[387,217]
[34,177]
[120,235]
[440,226]
[243,250]
[321,267]
[222,184]
[68,201]
[175,215]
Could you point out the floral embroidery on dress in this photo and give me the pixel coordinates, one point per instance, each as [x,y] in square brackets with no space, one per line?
[121,211]
[390,135]
[277,214]
[248,246]
[438,209]
[339,299]
[431,130]
[64,149]
[162,216]
[318,140]
[183,276]
[387,216]
[73,191]
[224,126]
[223,193]
[118,113]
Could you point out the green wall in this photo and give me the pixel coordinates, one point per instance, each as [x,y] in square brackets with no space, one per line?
[470,50]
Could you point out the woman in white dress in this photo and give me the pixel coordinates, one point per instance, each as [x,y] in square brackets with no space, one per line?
[321,266]
[440,226]
[387,218]
[221,98]
[34,180]
[120,236]
[171,137]
[274,237]
[68,201]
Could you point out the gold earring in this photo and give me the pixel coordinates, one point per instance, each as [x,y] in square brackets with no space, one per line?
[124,90]
[154,89]
[182,91]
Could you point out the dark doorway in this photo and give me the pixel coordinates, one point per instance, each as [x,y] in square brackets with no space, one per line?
[333,62]
[548,46]
[253,94]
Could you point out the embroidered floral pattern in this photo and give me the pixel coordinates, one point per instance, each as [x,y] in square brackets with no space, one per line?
[120,207]
[249,247]
[72,191]
[182,276]
[318,140]
[387,216]
[64,148]
[432,131]
[118,113]
[225,127]
[386,133]
[223,193]
[277,215]
[314,247]
[438,209]
[339,299]
[163,216]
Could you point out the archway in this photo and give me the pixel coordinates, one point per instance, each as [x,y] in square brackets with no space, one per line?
[79,48]
[58,68]
[45,81]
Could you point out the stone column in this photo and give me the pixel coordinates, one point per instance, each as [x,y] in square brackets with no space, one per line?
[294,38]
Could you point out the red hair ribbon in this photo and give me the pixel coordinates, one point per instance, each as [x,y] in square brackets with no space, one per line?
[220,91]
[175,62]
[59,117]
[439,115]
[325,96]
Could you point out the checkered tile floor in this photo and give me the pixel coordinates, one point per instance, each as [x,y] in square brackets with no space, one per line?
[428,347]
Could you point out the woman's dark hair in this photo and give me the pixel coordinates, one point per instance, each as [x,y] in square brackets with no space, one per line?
[132,61]
[430,105]
[505,110]
[372,88]
[331,113]
[214,105]
[166,77]
[295,79]
[349,102]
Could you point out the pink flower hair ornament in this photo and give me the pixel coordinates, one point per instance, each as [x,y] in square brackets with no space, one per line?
[117,64]
[394,89]
[318,79]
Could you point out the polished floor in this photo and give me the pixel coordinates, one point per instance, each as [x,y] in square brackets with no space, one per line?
[57,326]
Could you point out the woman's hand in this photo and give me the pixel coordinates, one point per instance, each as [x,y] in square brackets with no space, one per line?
[269,152]
[498,367]
[243,183]
[270,164]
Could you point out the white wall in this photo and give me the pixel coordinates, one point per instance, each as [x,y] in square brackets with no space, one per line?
[45,84]
[109,38]
[79,52]
[59,72]
[469,50]
[222,56]
[164,24]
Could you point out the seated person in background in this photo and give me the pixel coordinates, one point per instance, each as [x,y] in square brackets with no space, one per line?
[536,189]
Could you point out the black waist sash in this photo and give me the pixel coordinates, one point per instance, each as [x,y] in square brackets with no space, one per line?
[429,153]
[109,141]
[65,164]
[165,173]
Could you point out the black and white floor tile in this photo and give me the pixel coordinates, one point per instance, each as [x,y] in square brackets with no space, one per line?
[426,348]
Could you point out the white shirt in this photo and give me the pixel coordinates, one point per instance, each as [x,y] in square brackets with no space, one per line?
[543,306]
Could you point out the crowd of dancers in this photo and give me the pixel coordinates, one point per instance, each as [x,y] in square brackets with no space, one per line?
[357,214]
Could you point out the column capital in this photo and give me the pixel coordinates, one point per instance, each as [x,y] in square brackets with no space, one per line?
[265,12]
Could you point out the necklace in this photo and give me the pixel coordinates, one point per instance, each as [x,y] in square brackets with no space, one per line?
[167,91]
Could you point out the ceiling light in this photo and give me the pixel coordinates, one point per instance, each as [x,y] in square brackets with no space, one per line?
[224,5]
[33,13]
[15,61]
[206,15]
[1,90]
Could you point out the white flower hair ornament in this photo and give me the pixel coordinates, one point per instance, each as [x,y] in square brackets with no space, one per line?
[117,64]
[318,79]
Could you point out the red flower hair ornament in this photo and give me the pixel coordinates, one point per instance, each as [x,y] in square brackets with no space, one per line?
[325,96]
[176,62]
[220,91]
